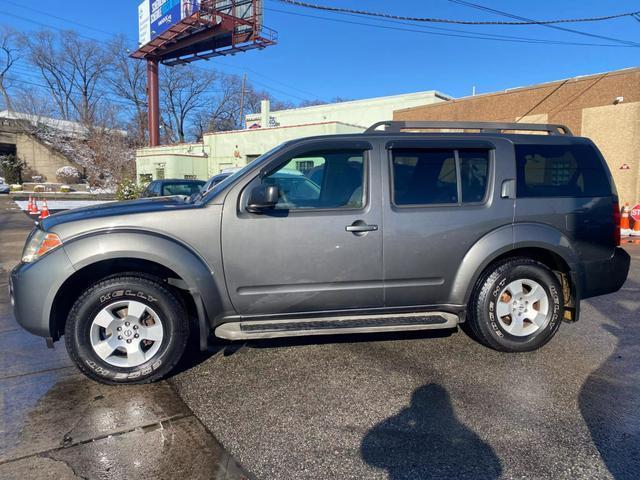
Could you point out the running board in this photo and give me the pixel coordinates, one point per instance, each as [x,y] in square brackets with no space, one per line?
[296,327]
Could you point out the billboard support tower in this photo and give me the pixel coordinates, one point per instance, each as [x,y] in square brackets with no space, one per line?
[174,32]
[153,95]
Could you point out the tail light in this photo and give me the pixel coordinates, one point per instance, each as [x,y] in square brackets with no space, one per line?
[616,223]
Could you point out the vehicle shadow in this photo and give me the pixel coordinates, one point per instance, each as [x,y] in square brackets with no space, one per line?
[426,440]
[610,397]
[194,357]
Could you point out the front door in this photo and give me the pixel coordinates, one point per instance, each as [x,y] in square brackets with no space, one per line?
[320,249]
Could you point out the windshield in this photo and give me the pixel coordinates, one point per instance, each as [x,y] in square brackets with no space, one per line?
[211,188]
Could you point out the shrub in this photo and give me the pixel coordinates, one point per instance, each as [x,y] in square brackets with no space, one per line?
[11,168]
[39,188]
[128,190]
[15,187]
[65,188]
[68,174]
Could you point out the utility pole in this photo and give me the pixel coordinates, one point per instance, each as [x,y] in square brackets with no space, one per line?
[242,94]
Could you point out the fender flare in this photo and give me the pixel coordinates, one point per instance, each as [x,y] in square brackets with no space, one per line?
[98,246]
[503,240]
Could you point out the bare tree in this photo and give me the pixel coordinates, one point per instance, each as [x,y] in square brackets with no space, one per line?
[8,58]
[127,78]
[185,91]
[73,70]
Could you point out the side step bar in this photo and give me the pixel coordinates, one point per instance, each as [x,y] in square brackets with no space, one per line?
[398,322]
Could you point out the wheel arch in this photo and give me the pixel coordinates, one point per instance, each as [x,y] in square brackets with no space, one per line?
[97,256]
[537,241]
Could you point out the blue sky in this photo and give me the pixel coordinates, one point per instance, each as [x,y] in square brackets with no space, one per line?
[320,58]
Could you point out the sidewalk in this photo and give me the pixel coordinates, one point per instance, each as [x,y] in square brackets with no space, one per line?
[55,423]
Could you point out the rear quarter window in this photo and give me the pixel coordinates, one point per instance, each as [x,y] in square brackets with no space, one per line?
[560,171]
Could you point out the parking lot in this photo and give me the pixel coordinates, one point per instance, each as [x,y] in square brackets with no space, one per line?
[419,405]
[433,406]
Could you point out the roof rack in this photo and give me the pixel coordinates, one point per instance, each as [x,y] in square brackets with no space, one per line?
[392,126]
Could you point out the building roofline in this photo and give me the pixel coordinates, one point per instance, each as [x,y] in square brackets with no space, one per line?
[434,93]
[284,126]
[525,88]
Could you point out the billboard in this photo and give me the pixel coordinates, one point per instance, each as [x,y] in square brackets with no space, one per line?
[156,16]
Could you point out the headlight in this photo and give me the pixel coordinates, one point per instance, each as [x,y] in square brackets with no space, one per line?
[38,244]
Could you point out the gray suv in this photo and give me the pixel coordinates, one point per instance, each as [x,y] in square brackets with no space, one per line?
[402,227]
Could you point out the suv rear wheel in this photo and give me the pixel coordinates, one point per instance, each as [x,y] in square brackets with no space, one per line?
[516,306]
[127,329]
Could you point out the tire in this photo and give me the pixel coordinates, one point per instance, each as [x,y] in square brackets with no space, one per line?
[140,317]
[532,317]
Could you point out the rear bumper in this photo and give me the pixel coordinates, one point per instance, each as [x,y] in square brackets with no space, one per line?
[607,276]
[33,287]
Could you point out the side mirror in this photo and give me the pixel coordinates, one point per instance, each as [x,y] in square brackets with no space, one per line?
[263,197]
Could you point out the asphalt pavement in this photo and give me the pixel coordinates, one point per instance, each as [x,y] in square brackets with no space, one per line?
[432,406]
[56,423]
[406,406]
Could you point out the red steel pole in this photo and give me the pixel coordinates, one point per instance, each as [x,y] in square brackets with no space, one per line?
[153,94]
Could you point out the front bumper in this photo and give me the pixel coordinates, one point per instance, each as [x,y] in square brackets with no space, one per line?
[605,276]
[33,288]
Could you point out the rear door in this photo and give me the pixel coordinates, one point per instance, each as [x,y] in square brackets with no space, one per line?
[320,249]
[441,197]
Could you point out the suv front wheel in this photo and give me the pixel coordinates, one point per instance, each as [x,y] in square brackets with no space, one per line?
[127,329]
[517,306]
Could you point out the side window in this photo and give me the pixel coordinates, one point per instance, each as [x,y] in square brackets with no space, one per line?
[332,179]
[424,177]
[474,174]
[560,171]
[430,176]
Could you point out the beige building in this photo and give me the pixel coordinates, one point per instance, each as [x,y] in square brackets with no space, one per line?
[604,107]
[222,150]
[41,159]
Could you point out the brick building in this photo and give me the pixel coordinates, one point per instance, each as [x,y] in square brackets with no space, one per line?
[604,107]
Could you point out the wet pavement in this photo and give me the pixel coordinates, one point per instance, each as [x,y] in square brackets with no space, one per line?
[55,423]
[404,406]
[434,405]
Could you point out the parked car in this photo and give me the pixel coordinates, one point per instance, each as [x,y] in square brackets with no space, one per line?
[4,187]
[216,179]
[408,230]
[164,188]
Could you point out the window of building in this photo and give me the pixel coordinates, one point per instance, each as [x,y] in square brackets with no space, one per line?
[159,173]
[333,179]
[304,165]
[560,171]
[430,176]
[190,177]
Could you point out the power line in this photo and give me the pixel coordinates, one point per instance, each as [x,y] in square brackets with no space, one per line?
[62,19]
[555,27]
[474,35]
[45,25]
[314,6]
[471,36]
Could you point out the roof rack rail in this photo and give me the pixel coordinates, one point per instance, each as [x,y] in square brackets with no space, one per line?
[393,126]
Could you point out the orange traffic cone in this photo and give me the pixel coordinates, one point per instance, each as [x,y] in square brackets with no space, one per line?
[636,229]
[625,227]
[29,204]
[45,210]
[33,209]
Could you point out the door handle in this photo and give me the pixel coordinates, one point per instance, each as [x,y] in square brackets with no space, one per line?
[360,227]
